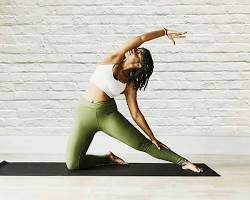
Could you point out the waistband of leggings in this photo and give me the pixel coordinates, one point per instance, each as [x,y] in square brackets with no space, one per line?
[97,105]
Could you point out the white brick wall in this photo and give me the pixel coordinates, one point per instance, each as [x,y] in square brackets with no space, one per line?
[199,91]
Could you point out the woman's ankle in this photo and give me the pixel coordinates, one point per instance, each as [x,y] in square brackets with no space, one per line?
[185,162]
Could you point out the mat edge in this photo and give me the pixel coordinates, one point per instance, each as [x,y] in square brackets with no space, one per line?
[3,163]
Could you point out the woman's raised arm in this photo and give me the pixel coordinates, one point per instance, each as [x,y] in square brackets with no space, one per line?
[135,42]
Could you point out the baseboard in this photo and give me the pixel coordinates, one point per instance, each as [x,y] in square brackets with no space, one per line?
[103,143]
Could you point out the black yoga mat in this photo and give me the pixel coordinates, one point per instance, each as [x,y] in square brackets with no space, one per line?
[132,169]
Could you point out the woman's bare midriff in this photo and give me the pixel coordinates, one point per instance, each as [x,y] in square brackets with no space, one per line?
[93,94]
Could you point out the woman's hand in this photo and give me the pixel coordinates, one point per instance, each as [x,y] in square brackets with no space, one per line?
[174,34]
[159,144]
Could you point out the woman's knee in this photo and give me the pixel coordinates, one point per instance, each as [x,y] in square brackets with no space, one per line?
[75,164]
[72,165]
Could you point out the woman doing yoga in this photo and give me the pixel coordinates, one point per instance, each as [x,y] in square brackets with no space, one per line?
[123,72]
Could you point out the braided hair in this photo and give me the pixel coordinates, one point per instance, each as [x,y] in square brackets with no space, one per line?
[141,76]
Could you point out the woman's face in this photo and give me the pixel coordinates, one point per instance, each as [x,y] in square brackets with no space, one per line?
[133,59]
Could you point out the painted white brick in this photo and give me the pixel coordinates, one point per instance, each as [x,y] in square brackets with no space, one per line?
[125,20]
[34,131]
[121,2]
[95,48]
[132,10]
[195,94]
[199,85]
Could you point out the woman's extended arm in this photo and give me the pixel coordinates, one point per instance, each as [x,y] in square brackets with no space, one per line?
[135,42]
[131,98]
[131,95]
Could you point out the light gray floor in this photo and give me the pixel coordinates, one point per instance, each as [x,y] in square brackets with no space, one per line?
[234,183]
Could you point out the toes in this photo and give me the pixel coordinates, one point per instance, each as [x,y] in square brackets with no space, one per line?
[117,160]
[200,170]
[192,168]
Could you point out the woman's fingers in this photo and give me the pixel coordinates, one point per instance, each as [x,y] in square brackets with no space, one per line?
[165,146]
[159,144]
[175,32]
[181,33]
[171,38]
[156,144]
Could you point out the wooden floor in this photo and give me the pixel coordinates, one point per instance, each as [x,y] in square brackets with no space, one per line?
[234,183]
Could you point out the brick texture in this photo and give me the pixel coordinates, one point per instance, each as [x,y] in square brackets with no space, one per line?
[200,86]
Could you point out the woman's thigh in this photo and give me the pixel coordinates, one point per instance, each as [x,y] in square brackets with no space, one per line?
[83,131]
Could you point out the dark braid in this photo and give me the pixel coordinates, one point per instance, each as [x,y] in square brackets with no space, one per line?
[141,76]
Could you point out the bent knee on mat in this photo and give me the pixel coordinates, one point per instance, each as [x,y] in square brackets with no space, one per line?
[76,165]
[72,165]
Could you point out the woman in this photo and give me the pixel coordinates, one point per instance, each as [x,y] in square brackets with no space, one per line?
[123,72]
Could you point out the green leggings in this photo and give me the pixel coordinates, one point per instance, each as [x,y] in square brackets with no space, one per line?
[104,116]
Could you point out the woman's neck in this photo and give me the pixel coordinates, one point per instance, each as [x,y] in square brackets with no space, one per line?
[121,74]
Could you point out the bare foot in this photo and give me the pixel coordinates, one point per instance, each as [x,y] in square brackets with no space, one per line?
[116,160]
[187,165]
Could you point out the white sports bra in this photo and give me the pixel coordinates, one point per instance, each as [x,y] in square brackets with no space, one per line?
[103,78]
